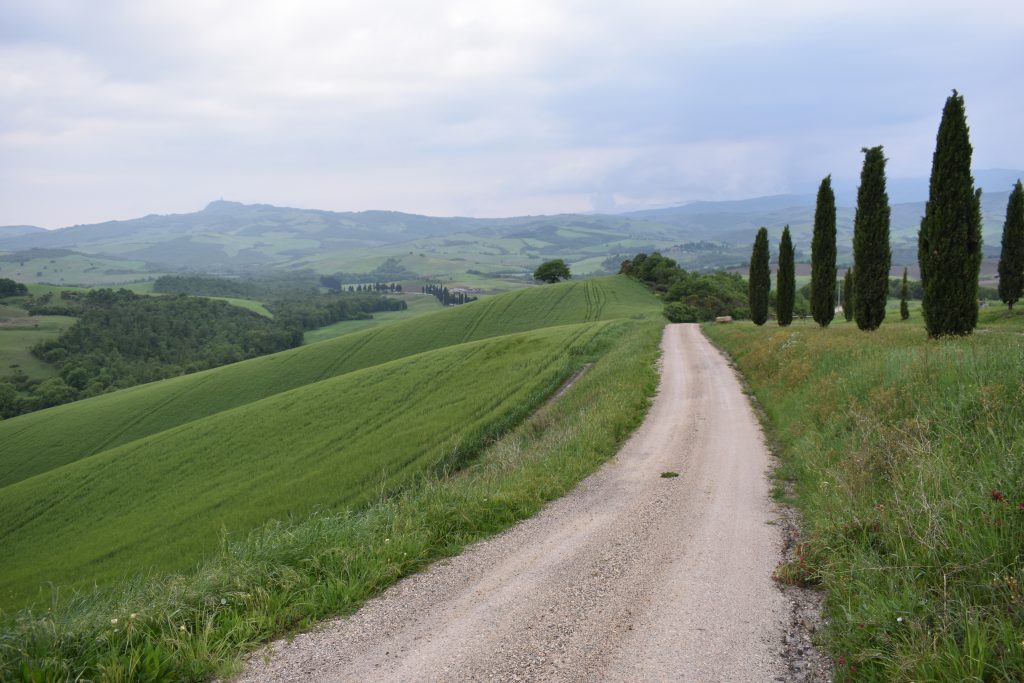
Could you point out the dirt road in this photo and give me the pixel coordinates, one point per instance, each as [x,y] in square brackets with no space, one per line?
[631,577]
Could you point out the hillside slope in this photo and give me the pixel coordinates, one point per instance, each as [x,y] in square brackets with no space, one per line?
[35,443]
[159,503]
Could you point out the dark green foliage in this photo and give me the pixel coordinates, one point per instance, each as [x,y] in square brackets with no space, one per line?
[823,256]
[760,279]
[872,254]
[122,339]
[690,296]
[848,295]
[678,312]
[260,286]
[11,288]
[308,312]
[293,298]
[1011,258]
[446,296]
[786,280]
[552,271]
[904,308]
[949,242]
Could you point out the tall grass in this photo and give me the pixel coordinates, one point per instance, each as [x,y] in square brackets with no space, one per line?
[48,439]
[285,575]
[907,457]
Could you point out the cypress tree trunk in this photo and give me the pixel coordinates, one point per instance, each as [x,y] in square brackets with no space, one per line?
[904,307]
[823,256]
[760,278]
[949,242]
[786,292]
[1011,258]
[871,251]
[848,295]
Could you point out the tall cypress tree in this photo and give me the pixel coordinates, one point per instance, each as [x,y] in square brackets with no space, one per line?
[904,306]
[872,254]
[949,242]
[1011,258]
[848,295]
[786,288]
[760,278]
[823,256]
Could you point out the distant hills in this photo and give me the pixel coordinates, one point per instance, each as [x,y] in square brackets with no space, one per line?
[231,237]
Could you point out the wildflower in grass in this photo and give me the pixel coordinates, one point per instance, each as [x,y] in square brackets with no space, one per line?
[132,615]
[113,621]
[998,495]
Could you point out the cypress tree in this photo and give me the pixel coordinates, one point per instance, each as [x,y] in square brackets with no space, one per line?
[871,251]
[949,242]
[848,295]
[760,278]
[823,256]
[786,288]
[1011,258]
[904,307]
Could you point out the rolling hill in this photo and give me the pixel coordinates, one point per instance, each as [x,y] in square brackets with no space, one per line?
[34,443]
[494,253]
[159,503]
[145,478]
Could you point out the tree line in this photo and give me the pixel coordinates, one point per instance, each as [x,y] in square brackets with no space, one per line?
[689,296]
[446,297]
[949,246]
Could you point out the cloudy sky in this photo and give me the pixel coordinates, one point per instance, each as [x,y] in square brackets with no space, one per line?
[483,108]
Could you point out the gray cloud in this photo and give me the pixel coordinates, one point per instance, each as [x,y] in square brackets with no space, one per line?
[116,109]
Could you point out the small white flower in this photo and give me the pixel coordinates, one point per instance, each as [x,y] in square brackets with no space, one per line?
[182,627]
[223,601]
[132,615]
[387,540]
[899,620]
[113,621]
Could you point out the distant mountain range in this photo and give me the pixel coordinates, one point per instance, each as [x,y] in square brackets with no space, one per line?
[231,237]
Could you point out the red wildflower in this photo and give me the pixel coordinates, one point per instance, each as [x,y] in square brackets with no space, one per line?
[998,495]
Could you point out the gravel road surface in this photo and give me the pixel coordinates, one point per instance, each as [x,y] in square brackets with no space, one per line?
[631,577]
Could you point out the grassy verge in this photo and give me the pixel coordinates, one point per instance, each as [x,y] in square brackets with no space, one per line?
[286,575]
[906,456]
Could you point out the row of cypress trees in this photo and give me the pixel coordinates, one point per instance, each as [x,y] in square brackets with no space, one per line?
[949,245]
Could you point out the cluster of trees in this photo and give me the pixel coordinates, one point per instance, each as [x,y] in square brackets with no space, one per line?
[122,339]
[261,286]
[689,296]
[390,270]
[447,298]
[949,245]
[299,313]
[294,298]
[382,287]
[11,288]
